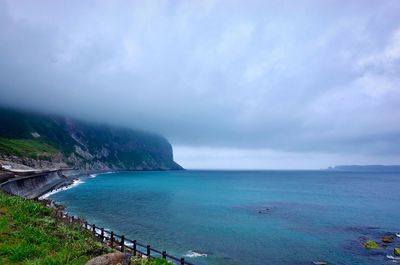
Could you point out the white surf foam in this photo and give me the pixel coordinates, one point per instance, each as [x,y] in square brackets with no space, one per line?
[105,173]
[395,259]
[398,234]
[194,254]
[75,183]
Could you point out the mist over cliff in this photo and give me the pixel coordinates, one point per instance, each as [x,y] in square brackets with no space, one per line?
[43,140]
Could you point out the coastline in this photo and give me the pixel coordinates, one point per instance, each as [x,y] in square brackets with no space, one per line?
[106,236]
[76,180]
[32,183]
[75,183]
[41,183]
[63,213]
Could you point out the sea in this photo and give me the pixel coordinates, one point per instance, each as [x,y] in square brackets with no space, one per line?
[247,217]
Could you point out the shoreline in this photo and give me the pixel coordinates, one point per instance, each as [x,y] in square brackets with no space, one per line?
[77,180]
[33,183]
[106,236]
[63,212]
[36,183]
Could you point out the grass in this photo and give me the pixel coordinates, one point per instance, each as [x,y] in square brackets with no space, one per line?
[35,149]
[29,235]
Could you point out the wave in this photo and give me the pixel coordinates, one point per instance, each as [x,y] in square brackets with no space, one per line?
[394,259]
[104,173]
[194,254]
[75,183]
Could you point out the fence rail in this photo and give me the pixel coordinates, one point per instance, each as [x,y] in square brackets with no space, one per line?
[119,242]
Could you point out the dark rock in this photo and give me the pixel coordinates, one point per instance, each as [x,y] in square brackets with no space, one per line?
[387,239]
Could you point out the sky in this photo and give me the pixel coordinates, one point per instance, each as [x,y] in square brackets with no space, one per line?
[231,84]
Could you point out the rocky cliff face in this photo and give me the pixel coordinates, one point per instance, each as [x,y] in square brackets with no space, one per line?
[43,141]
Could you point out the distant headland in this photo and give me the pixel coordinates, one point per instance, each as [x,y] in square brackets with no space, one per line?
[48,141]
[366,168]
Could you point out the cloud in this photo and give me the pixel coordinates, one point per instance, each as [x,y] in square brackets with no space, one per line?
[304,77]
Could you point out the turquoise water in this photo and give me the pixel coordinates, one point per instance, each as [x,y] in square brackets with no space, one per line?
[246,217]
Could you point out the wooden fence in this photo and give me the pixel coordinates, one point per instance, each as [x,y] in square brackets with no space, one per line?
[119,242]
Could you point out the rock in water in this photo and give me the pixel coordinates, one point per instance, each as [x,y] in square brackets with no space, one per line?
[396,251]
[387,239]
[371,244]
[111,259]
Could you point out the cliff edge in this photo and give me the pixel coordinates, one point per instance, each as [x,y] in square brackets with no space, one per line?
[47,141]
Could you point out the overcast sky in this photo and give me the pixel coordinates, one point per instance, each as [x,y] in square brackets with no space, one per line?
[231,84]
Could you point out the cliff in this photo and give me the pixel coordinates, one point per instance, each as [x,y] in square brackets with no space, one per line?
[47,141]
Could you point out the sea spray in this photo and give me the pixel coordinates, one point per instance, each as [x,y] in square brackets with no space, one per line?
[105,173]
[75,183]
[194,254]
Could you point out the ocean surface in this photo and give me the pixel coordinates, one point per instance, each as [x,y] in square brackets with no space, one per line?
[246,217]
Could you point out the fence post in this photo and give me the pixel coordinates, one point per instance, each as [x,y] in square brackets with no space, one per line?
[94,229]
[122,243]
[102,234]
[164,254]
[85,224]
[112,239]
[182,261]
[134,247]
[148,251]
[72,219]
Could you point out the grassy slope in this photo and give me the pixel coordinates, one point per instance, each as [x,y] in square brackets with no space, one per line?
[36,149]
[30,235]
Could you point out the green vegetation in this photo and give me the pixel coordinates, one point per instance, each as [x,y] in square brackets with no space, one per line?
[35,149]
[396,251]
[371,244]
[29,235]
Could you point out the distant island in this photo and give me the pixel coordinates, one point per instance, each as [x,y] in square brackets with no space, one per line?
[366,168]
